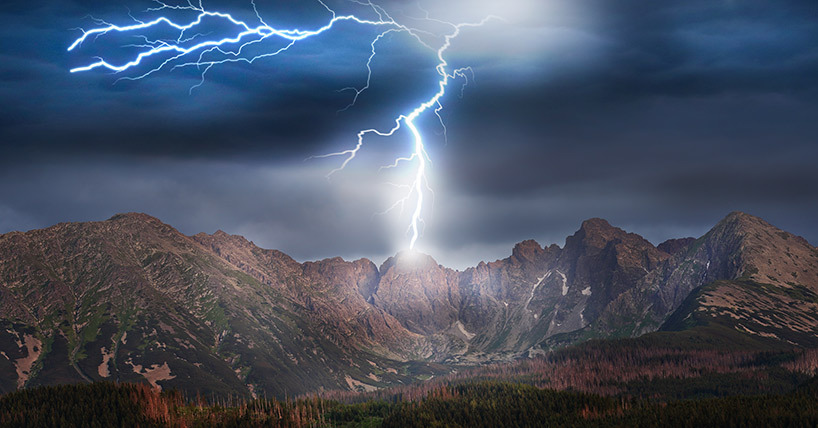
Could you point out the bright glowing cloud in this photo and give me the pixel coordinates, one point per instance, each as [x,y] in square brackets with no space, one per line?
[194,47]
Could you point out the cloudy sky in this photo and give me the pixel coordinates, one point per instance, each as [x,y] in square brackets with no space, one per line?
[661,117]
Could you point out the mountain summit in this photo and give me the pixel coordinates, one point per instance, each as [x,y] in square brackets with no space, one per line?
[131,299]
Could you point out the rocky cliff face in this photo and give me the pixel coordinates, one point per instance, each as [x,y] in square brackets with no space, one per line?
[133,299]
[335,293]
[500,309]
[603,262]
[740,247]
[419,292]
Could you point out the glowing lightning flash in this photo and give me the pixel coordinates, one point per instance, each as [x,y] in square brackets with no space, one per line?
[231,49]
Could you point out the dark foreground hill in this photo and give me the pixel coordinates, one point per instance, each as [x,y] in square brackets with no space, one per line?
[131,299]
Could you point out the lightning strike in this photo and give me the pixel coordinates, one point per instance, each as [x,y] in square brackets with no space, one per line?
[204,53]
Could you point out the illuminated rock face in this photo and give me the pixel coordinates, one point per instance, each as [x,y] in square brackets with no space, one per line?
[419,292]
[132,299]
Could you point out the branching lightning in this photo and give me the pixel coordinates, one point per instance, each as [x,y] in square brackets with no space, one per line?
[201,50]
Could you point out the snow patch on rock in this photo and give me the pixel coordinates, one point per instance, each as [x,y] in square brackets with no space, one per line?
[463,330]
[564,282]
[104,368]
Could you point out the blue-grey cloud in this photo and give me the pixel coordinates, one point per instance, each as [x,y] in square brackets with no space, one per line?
[660,116]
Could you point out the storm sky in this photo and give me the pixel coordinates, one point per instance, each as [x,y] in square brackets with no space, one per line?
[661,117]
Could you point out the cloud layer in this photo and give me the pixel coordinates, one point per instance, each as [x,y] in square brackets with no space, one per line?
[661,117]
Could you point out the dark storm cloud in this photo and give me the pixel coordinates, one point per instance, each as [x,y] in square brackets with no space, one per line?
[691,112]
[660,116]
[280,106]
[277,206]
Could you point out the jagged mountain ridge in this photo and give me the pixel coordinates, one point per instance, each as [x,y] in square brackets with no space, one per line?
[740,249]
[131,298]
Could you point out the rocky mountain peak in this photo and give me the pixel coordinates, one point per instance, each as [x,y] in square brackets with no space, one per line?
[127,229]
[742,222]
[409,261]
[740,247]
[742,216]
[418,291]
[748,223]
[764,252]
[134,222]
[675,246]
[528,250]
[133,216]
[222,238]
[361,275]
[746,226]
[596,223]
[596,233]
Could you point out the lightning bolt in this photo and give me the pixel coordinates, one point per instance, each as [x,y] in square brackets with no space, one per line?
[203,52]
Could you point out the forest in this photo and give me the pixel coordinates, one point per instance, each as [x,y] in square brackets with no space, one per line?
[652,381]
[471,404]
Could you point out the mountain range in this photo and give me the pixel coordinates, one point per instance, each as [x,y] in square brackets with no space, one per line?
[131,299]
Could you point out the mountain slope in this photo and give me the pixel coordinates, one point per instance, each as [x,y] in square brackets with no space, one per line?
[539,292]
[132,299]
[743,265]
